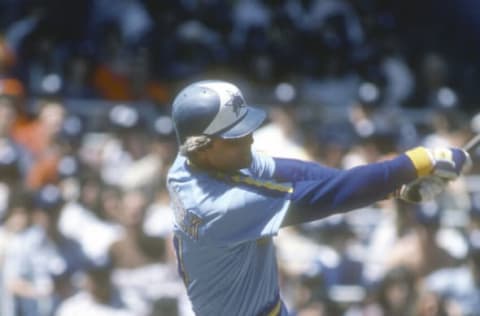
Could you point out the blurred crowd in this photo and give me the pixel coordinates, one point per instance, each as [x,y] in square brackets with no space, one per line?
[86,140]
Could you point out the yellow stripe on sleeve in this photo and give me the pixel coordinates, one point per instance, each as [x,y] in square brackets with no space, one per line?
[276,309]
[243,179]
[265,184]
[421,160]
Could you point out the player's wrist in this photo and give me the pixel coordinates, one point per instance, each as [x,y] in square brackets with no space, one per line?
[421,159]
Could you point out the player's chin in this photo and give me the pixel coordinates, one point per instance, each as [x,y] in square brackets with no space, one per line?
[241,162]
[245,161]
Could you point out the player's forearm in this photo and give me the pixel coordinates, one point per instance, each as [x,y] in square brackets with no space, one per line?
[348,189]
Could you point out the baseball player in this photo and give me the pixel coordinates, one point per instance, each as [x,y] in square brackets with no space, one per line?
[229,202]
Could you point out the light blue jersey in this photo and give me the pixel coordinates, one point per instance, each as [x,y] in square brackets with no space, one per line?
[224,226]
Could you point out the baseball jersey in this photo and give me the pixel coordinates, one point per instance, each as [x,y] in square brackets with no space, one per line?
[223,237]
[224,223]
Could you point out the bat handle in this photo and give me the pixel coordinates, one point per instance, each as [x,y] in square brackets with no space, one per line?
[472,144]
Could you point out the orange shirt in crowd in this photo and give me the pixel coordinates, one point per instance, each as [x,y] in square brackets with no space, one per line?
[117,87]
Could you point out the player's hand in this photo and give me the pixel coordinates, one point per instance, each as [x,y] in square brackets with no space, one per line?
[445,163]
[436,168]
[449,163]
[423,189]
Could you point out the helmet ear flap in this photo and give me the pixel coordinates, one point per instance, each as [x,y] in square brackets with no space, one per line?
[194,109]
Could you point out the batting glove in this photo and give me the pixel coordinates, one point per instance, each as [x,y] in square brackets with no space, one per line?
[423,189]
[435,168]
[445,163]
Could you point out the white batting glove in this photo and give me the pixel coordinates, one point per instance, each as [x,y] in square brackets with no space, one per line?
[449,163]
[423,189]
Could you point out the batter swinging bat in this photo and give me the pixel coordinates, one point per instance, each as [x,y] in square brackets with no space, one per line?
[470,147]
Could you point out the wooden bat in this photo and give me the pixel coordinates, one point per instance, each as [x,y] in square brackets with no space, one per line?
[472,144]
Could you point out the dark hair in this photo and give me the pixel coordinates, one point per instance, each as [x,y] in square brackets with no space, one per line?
[394,276]
[18,199]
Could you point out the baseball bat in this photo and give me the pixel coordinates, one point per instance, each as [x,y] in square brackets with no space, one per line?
[472,144]
[470,147]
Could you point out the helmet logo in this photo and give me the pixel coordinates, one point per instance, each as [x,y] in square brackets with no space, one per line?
[236,102]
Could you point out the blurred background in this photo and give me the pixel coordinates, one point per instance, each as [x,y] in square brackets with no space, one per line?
[86,140]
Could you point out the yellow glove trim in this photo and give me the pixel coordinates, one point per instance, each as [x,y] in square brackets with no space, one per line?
[421,160]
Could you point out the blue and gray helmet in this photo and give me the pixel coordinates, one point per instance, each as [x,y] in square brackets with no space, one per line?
[214,108]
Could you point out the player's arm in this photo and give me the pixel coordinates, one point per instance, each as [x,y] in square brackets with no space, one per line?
[341,191]
[291,170]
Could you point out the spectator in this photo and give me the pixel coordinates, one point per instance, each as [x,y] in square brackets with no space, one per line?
[97,297]
[7,57]
[130,16]
[16,220]
[78,77]
[433,79]
[460,286]
[131,80]
[13,158]
[419,250]
[13,90]
[41,134]
[396,220]
[140,261]
[284,128]
[397,293]
[83,221]
[42,261]
[41,139]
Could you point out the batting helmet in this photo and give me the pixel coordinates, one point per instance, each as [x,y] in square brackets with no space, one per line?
[214,108]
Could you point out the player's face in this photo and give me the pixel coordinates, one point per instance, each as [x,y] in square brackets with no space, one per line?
[230,154]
